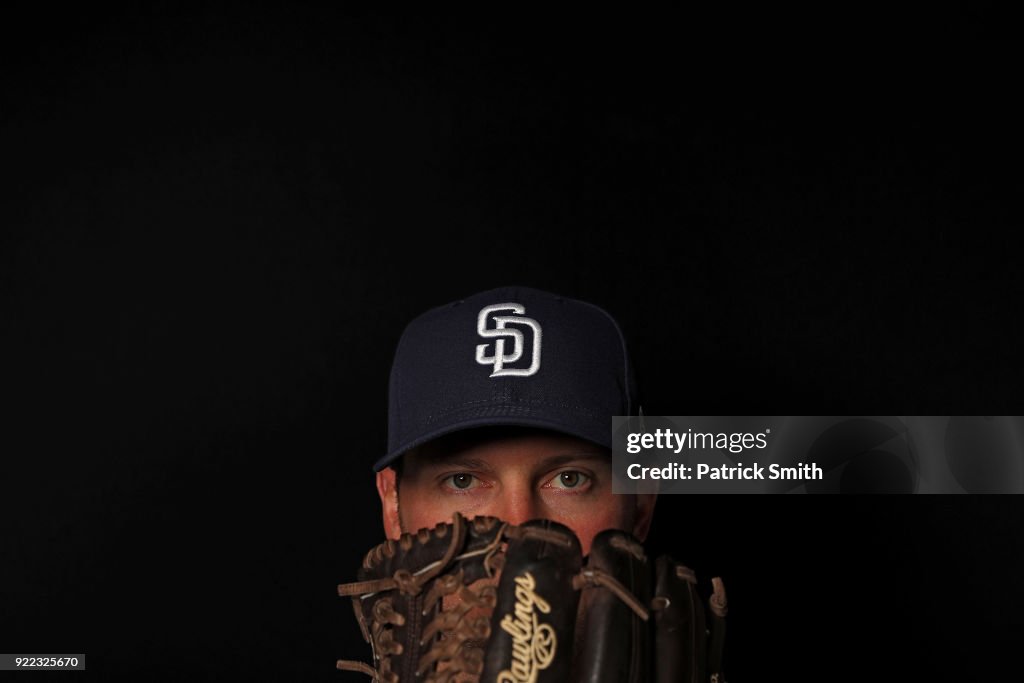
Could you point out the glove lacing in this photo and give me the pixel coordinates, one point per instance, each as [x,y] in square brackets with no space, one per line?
[457,639]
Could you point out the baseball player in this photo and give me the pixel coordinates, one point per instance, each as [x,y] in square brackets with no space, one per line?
[508,558]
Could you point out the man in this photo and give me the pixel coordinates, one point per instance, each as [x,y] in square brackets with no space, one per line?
[500,404]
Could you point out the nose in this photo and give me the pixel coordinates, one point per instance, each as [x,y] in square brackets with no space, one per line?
[517,505]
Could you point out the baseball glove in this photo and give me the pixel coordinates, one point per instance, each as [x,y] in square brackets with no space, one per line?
[484,600]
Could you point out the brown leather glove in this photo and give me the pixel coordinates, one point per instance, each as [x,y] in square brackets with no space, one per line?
[483,600]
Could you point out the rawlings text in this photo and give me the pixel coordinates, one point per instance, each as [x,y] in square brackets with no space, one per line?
[533,644]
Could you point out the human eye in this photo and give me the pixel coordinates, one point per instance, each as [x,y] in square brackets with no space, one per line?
[571,480]
[461,481]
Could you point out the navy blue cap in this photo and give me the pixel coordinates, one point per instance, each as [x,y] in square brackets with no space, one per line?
[512,356]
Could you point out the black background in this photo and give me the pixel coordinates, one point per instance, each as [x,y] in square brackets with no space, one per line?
[216,223]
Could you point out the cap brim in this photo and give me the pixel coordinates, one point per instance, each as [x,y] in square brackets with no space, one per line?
[595,432]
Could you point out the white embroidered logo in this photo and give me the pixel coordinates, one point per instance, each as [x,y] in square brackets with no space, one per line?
[499,333]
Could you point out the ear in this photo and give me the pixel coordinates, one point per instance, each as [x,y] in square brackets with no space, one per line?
[387,488]
[644,514]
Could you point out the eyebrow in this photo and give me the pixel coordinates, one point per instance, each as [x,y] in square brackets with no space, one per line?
[566,458]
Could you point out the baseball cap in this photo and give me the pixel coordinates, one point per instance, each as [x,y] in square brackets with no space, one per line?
[512,356]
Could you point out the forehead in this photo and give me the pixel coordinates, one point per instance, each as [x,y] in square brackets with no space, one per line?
[493,447]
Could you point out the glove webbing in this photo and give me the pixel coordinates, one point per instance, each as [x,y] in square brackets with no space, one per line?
[452,625]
